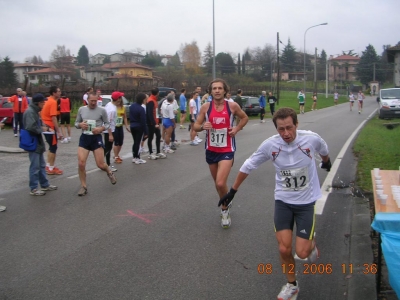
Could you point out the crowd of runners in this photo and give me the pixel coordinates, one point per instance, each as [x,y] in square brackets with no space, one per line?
[291,151]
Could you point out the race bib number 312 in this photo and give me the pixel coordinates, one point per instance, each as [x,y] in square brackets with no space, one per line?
[294,179]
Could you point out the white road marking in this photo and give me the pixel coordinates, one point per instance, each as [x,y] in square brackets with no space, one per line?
[326,187]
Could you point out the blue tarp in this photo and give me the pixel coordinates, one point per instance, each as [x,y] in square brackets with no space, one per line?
[388,225]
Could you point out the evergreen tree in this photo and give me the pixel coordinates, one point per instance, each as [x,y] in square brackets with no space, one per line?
[107,60]
[175,61]
[288,58]
[247,55]
[152,59]
[208,56]
[83,56]
[239,65]
[8,79]
[225,63]
[365,67]
[321,66]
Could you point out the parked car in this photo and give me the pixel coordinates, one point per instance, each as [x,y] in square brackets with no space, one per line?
[107,98]
[6,110]
[389,103]
[163,92]
[251,106]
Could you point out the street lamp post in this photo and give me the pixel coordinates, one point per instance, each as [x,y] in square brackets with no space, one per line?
[213,70]
[304,87]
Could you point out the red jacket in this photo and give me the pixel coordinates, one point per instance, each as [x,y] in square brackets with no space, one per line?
[16,108]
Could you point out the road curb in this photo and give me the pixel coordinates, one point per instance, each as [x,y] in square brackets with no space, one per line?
[11,150]
[361,286]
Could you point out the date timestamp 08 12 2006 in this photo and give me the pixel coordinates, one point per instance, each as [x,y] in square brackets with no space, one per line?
[307,269]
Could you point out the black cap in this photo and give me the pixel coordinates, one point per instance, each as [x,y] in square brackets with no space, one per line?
[38,98]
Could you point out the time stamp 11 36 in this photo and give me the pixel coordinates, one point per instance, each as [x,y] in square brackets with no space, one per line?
[318,269]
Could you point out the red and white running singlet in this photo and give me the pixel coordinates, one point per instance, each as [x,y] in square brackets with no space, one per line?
[217,138]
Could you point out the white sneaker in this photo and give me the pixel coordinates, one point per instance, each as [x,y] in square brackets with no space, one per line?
[194,143]
[169,150]
[64,141]
[153,156]
[197,139]
[263,121]
[15,134]
[140,161]
[69,139]
[143,150]
[161,155]
[113,169]
[289,291]
[225,218]
[134,160]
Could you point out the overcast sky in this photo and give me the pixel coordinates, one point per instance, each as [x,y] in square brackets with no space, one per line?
[36,27]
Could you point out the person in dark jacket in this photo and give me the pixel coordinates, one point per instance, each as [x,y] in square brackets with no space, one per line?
[37,169]
[271,101]
[262,102]
[137,118]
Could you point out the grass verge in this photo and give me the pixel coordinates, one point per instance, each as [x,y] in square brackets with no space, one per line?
[376,147]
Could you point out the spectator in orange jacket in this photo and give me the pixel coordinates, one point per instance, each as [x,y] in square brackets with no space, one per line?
[20,104]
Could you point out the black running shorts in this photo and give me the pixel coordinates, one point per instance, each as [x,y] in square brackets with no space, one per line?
[303,214]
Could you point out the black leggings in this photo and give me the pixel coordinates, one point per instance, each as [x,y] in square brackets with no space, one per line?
[153,130]
[262,113]
[107,147]
[272,108]
[17,121]
[137,135]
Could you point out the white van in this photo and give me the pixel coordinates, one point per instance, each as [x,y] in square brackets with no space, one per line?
[389,103]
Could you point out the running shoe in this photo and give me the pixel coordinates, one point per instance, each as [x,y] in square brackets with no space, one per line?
[112,178]
[169,150]
[15,134]
[113,169]
[225,219]
[173,147]
[140,161]
[134,160]
[197,139]
[36,192]
[82,191]
[2,208]
[55,171]
[117,160]
[49,188]
[182,127]
[64,141]
[289,291]
[69,139]
[153,156]
[161,155]
[193,143]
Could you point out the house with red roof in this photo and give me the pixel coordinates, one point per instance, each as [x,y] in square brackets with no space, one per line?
[343,68]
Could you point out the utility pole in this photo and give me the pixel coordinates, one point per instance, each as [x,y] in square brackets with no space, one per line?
[315,70]
[326,79]
[277,68]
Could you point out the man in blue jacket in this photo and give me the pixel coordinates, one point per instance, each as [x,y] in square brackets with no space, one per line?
[262,102]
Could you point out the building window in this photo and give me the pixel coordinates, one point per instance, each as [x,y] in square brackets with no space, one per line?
[32,77]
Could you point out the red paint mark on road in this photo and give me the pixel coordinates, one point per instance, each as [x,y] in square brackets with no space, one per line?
[141,217]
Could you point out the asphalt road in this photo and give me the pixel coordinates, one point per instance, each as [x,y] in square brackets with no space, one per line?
[156,234]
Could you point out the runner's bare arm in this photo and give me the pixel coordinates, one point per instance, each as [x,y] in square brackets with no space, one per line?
[198,125]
